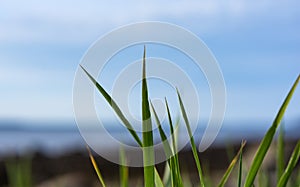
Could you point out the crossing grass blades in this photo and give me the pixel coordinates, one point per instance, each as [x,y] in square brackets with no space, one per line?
[173,176]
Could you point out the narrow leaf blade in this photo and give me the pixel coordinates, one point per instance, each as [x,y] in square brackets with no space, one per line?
[95,165]
[148,150]
[291,165]
[115,107]
[194,149]
[280,153]
[266,142]
[240,170]
[158,181]
[231,166]
[177,178]
[123,168]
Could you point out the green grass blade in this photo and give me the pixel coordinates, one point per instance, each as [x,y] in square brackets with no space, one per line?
[171,126]
[263,179]
[115,107]
[280,153]
[26,171]
[177,177]
[167,148]
[291,165]
[298,178]
[167,175]
[148,150]
[158,181]
[194,149]
[95,165]
[19,171]
[231,166]
[123,169]
[240,169]
[266,142]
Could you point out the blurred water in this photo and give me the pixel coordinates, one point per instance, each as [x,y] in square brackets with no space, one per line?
[59,139]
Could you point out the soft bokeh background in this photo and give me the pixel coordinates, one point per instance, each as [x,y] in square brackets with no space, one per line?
[256,43]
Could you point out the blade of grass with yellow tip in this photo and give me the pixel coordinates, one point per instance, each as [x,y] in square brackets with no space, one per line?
[266,142]
[194,149]
[114,106]
[291,165]
[95,165]
[231,166]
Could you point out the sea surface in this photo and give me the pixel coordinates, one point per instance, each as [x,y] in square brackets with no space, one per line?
[55,139]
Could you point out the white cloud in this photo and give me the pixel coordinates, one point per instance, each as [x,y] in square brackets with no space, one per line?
[80,21]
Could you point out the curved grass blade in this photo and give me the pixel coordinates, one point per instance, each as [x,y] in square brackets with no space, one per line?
[148,150]
[265,143]
[231,166]
[291,165]
[194,149]
[280,153]
[115,107]
[95,165]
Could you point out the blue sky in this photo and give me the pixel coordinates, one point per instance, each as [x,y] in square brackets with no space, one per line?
[256,43]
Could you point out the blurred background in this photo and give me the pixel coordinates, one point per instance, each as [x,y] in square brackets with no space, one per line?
[256,44]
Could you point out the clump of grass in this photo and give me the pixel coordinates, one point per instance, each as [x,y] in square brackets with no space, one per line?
[19,171]
[173,176]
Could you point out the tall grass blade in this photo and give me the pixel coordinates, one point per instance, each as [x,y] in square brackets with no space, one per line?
[280,153]
[115,107]
[163,136]
[148,150]
[158,181]
[171,126]
[194,149]
[175,157]
[291,165]
[95,165]
[167,149]
[240,169]
[167,175]
[123,169]
[265,143]
[231,166]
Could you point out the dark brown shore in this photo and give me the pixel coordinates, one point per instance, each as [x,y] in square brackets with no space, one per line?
[75,170]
